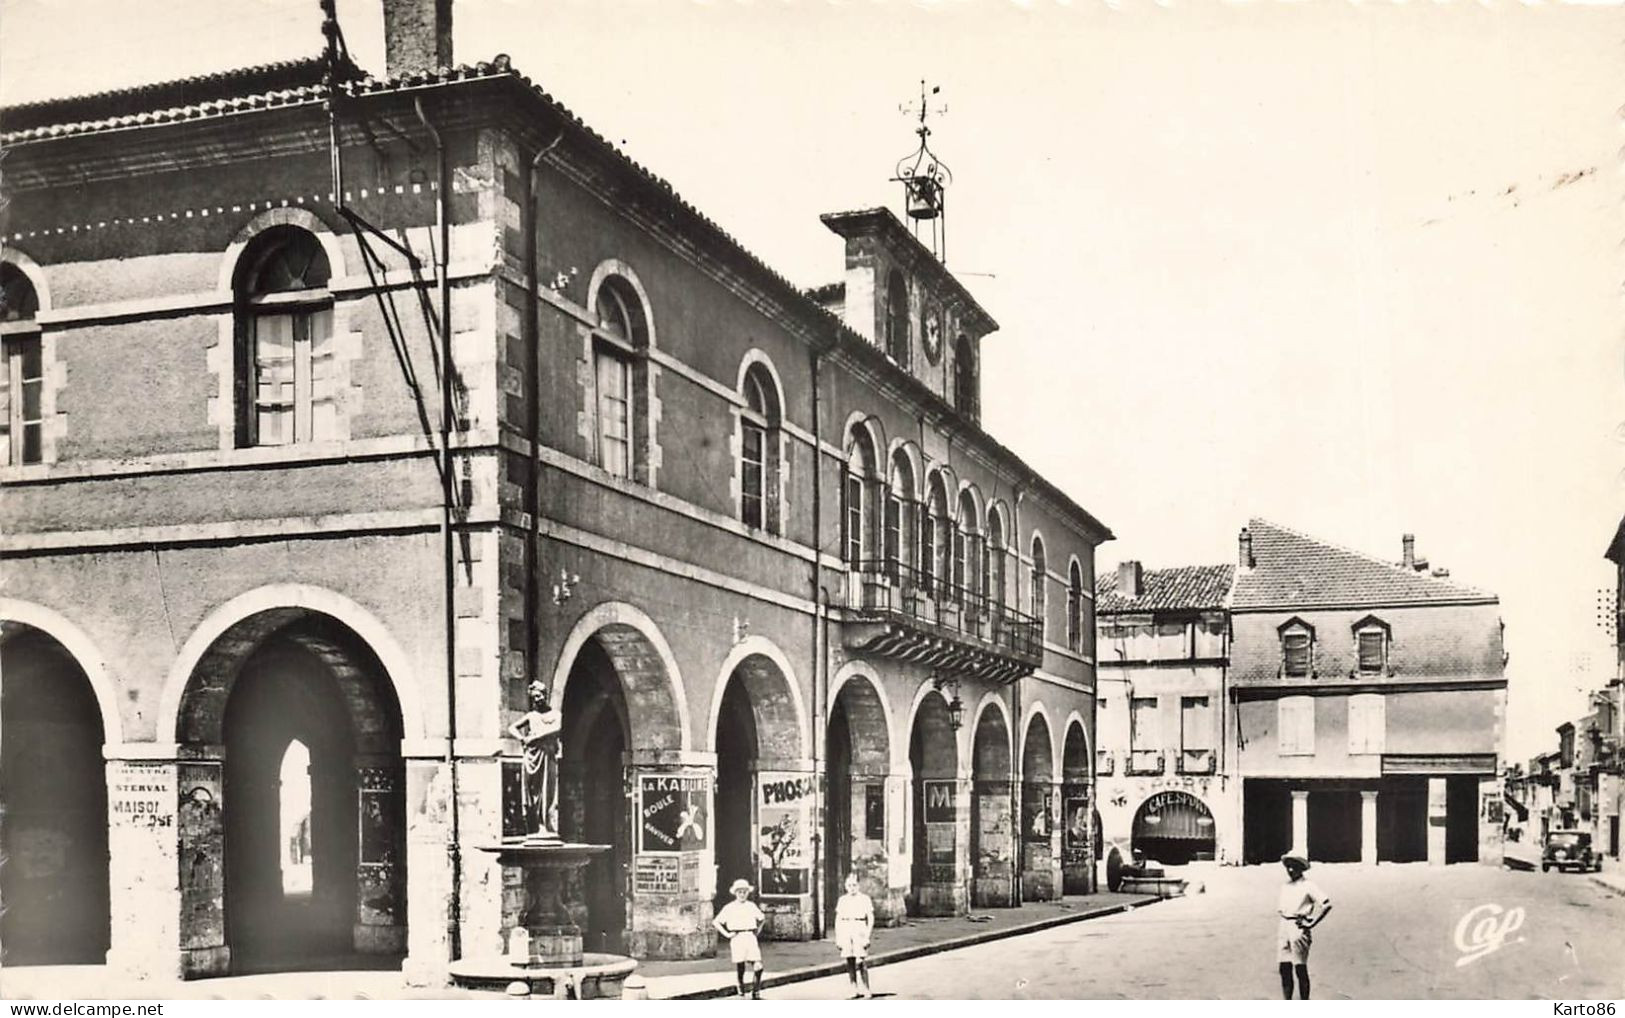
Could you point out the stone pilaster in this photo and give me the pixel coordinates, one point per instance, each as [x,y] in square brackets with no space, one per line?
[994,845]
[1438,820]
[1300,822]
[1368,825]
[1040,842]
[945,855]
[145,893]
[1077,838]
[673,872]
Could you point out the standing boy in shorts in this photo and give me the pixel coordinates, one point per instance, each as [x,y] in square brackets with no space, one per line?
[739,922]
[854,922]
[1301,906]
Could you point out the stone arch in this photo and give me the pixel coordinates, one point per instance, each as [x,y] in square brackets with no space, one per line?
[1077,757]
[650,679]
[1036,714]
[923,707]
[909,451]
[869,713]
[232,631]
[770,680]
[755,356]
[80,647]
[615,267]
[31,269]
[991,701]
[303,219]
[978,505]
[871,426]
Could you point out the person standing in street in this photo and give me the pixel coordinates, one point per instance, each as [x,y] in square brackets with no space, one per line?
[854,922]
[1301,905]
[739,922]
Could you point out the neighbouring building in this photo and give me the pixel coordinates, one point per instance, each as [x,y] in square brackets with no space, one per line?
[315,457]
[1164,654]
[1369,705]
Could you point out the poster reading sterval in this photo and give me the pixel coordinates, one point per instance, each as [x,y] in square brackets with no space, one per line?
[784,822]
[674,812]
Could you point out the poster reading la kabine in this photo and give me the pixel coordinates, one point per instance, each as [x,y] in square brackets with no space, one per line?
[784,815]
[673,812]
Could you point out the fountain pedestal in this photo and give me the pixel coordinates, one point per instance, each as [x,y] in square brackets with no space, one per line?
[553,962]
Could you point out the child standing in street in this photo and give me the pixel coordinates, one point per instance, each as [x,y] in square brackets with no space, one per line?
[739,922]
[1301,906]
[854,922]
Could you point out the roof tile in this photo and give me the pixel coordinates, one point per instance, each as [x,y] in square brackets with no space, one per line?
[1295,570]
[1182,588]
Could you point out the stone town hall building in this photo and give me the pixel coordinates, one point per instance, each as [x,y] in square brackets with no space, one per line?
[261,650]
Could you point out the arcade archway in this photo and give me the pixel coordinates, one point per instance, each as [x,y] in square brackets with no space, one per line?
[764,809]
[274,690]
[1174,828]
[1077,810]
[993,820]
[53,794]
[1039,865]
[858,759]
[933,756]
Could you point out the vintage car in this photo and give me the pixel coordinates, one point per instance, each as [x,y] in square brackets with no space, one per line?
[1570,850]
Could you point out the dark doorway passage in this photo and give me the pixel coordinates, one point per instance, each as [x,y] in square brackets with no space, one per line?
[1266,820]
[736,791]
[933,761]
[1461,818]
[53,806]
[592,797]
[837,807]
[1334,825]
[1402,814]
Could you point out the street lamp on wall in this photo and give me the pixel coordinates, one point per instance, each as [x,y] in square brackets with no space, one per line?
[948,686]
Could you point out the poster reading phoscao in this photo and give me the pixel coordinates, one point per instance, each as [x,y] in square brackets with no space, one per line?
[784,814]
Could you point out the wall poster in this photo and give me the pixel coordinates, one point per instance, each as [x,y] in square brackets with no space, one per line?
[784,818]
[674,812]
[940,805]
[874,811]
[1036,803]
[1075,840]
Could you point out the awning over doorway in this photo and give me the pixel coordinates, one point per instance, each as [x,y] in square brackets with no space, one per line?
[1173,815]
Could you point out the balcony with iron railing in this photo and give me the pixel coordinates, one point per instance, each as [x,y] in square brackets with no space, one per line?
[895,610]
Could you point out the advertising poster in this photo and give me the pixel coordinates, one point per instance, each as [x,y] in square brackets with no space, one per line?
[940,807]
[1036,803]
[674,812]
[1075,840]
[784,816]
[874,812]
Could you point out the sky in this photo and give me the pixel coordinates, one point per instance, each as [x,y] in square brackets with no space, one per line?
[1353,268]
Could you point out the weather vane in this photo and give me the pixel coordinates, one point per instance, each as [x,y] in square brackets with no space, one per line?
[925,177]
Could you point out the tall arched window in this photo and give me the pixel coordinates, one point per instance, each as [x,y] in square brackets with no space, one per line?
[857,515]
[759,450]
[619,376]
[936,539]
[897,339]
[967,547]
[287,377]
[901,518]
[22,375]
[1040,574]
[993,574]
[965,376]
[1074,607]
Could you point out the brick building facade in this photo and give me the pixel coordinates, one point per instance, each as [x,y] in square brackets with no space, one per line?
[802,615]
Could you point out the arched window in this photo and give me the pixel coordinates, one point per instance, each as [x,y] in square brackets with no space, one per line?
[1074,607]
[287,377]
[967,547]
[759,450]
[993,573]
[1040,573]
[620,376]
[857,515]
[965,376]
[897,339]
[23,372]
[901,518]
[936,540]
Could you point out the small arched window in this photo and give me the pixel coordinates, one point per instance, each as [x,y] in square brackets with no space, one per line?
[759,451]
[897,338]
[857,515]
[901,518]
[936,540]
[287,377]
[965,376]
[1040,575]
[23,370]
[1074,607]
[619,377]
[967,547]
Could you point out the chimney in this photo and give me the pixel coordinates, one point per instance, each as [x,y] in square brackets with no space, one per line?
[417,36]
[1246,543]
[1408,542]
[1130,579]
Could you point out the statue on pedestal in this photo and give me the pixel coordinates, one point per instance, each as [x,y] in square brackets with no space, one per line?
[539,731]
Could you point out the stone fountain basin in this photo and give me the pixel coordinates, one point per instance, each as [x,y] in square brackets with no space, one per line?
[598,976]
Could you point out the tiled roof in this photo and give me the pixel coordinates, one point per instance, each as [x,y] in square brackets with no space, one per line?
[827,293]
[300,82]
[1296,570]
[1183,588]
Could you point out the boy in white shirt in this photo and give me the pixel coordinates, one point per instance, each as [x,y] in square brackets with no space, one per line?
[1301,906]
[739,922]
[854,922]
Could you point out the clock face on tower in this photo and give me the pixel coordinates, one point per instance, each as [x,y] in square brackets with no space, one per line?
[933,335]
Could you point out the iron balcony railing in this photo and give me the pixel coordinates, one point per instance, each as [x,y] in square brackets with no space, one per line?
[896,588]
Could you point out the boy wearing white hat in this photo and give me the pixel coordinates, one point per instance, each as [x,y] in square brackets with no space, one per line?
[1301,906]
[739,922]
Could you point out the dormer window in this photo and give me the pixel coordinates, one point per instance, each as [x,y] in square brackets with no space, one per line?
[1371,636]
[1297,649]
